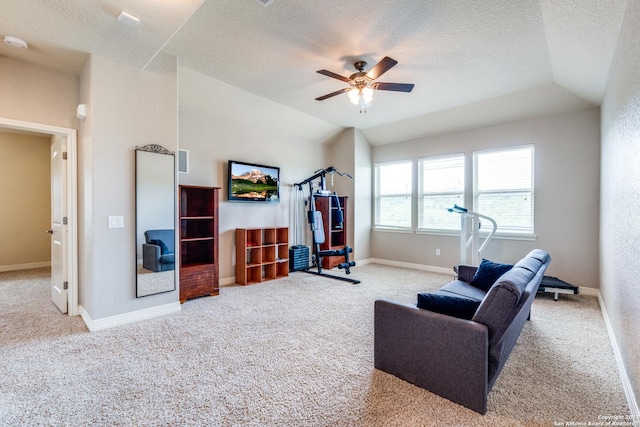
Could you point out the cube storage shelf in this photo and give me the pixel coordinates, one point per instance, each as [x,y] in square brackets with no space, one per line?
[261,254]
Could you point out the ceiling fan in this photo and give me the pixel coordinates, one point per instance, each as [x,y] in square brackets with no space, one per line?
[362,84]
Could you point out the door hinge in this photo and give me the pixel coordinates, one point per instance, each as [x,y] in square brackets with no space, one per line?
[64,155]
[65,285]
[64,220]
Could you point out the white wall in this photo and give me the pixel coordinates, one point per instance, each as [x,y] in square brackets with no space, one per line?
[126,108]
[566,199]
[363,194]
[219,122]
[620,223]
[351,153]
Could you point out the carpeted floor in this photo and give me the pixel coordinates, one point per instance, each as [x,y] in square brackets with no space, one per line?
[292,352]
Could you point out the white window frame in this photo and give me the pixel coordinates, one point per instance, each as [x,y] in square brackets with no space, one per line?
[424,193]
[506,230]
[377,196]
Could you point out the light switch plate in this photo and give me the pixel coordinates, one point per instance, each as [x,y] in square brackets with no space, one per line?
[116,221]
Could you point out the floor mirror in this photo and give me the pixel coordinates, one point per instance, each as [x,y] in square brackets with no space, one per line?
[155,220]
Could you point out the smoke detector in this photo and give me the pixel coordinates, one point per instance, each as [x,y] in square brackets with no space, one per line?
[16,42]
[128,19]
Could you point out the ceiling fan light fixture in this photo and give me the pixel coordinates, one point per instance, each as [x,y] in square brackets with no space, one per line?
[362,84]
[361,97]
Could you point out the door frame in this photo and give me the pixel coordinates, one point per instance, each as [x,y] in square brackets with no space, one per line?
[72,199]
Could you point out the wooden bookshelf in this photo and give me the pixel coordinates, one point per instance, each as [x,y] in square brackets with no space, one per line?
[335,232]
[198,242]
[261,254]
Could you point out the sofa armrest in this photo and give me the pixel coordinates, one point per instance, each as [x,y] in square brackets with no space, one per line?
[151,257]
[443,354]
[466,272]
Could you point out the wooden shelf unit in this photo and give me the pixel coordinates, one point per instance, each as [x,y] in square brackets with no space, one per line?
[261,254]
[334,232]
[199,273]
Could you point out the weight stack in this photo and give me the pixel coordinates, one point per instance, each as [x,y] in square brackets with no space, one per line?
[298,258]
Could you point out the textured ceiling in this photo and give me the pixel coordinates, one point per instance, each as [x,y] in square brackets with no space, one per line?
[473,62]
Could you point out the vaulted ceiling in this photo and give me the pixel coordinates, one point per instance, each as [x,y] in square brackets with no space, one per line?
[473,62]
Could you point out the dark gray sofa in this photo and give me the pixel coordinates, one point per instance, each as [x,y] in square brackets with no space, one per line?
[158,253]
[456,358]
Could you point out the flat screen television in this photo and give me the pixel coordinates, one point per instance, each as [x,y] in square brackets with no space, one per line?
[251,182]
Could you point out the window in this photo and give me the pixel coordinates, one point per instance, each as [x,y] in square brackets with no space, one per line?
[393,195]
[441,185]
[503,188]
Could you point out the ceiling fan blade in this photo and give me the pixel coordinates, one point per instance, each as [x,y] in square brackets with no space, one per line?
[334,75]
[381,67]
[329,95]
[397,87]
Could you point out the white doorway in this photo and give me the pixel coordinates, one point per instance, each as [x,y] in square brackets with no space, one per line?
[69,253]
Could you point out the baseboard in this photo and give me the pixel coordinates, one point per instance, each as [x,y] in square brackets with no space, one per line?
[125,318]
[589,291]
[28,266]
[423,267]
[228,281]
[626,383]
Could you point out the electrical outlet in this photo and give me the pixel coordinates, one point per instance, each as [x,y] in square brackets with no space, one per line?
[438,252]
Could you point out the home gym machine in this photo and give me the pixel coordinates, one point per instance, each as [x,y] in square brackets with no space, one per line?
[317,227]
[470,234]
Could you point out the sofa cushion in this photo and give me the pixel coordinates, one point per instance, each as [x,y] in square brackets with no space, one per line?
[163,247]
[167,236]
[463,289]
[487,274]
[496,309]
[531,264]
[449,304]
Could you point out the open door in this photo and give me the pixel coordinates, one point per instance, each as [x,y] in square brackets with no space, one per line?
[64,208]
[58,231]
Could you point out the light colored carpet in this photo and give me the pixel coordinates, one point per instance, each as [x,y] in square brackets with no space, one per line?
[292,352]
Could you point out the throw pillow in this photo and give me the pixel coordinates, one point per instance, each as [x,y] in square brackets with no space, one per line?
[451,305]
[487,274]
[163,247]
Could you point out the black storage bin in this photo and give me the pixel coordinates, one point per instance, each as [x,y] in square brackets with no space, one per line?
[298,258]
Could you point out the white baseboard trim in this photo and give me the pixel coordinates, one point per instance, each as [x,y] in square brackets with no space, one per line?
[28,266]
[228,281]
[423,267]
[589,291]
[125,318]
[626,383]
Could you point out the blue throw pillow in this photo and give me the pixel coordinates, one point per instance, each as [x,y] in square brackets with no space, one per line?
[449,304]
[487,274]
[163,247]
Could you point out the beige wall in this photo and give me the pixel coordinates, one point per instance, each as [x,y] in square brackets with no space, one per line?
[25,191]
[567,159]
[38,95]
[620,225]
[219,122]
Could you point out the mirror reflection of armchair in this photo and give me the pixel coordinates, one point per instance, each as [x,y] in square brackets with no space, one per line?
[158,253]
